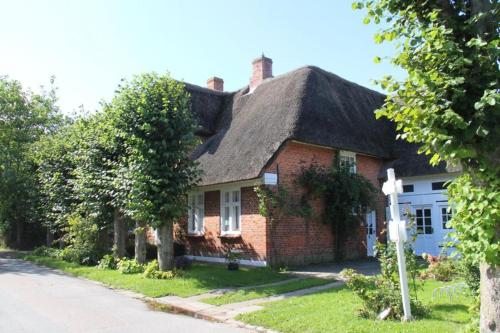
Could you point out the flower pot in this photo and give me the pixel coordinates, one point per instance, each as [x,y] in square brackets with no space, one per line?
[233,266]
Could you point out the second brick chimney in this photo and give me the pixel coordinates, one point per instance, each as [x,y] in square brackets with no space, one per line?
[262,68]
[215,83]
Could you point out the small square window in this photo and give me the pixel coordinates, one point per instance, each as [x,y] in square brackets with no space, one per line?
[408,188]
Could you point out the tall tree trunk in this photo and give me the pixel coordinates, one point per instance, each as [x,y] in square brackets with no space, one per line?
[490,299]
[19,233]
[49,238]
[140,242]
[165,245]
[119,239]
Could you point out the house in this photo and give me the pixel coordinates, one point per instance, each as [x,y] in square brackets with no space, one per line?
[264,134]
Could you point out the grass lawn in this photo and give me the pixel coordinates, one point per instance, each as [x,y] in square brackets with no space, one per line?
[199,279]
[335,311]
[259,292]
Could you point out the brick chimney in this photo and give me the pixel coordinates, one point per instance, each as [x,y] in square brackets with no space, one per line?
[215,83]
[262,68]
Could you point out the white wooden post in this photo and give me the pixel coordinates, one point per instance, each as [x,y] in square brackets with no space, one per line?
[397,234]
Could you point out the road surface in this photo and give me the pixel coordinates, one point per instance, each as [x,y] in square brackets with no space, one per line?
[37,299]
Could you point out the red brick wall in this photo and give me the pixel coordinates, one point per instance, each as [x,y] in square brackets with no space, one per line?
[296,240]
[370,168]
[253,229]
[302,241]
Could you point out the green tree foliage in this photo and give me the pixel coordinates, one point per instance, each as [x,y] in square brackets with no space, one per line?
[153,122]
[449,101]
[449,104]
[24,117]
[75,177]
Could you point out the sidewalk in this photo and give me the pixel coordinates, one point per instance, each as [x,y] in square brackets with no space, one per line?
[332,270]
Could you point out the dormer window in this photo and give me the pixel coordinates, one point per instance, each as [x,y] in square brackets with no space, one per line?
[348,160]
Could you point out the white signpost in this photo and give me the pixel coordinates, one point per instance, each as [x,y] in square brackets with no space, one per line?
[397,234]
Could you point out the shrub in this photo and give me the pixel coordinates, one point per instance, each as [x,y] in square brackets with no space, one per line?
[469,271]
[82,237]
[129,266]
[152,272]
[378,294]
[107,262]
[183,263]
[44,251]
[441,268]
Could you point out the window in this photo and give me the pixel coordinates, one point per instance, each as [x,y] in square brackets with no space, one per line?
[348,160]
[408,188]
[196,213]
[230,211]
[436,186]
[446,215]
[423,221]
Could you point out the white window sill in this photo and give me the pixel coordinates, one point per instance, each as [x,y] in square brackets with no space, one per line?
[231,234]
[196,234]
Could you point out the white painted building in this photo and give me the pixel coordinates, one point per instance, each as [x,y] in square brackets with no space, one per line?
[426,198]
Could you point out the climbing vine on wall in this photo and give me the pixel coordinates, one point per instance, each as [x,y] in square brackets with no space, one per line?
[346,198]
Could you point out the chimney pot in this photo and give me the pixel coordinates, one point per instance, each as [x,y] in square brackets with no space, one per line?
[262,68]
[215,83]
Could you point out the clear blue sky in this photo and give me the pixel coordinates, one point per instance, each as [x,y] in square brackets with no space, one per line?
[90,45]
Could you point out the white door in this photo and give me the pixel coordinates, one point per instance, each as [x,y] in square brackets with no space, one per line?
[424,227]
[371,232]
[444,238]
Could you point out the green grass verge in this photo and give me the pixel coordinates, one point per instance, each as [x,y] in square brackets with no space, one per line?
[199,279]
[259,292]
[335,310]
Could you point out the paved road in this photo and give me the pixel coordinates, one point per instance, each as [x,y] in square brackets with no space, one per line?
[36,299]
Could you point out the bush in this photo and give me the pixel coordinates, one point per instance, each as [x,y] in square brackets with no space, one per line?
[469,271]
[379,294]
[441,268]
[44,251]
[153,272]
[82,238]
[129,266]
[107,262]
[183,263]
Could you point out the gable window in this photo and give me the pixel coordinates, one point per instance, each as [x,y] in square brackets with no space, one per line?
[196,213]
[348,160]
[230,212]
[446,215]
[423,221]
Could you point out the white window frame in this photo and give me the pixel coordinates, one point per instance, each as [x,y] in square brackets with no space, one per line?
[196,213]
[448,214]
[348,157]
[423,217]
[231,206]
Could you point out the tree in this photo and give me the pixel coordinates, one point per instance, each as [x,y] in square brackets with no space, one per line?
[449,105]
[24,117]
[74,178]
[152,118]
[55,176]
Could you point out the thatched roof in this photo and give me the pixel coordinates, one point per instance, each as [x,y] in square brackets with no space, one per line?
[243,131]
